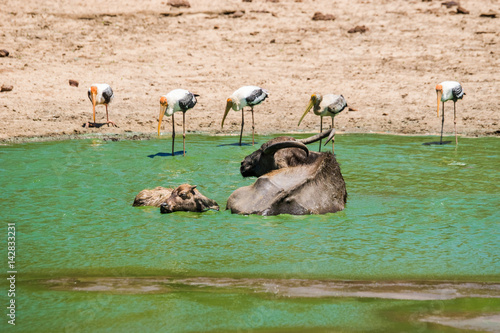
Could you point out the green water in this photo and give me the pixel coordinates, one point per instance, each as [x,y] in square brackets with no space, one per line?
[414,212]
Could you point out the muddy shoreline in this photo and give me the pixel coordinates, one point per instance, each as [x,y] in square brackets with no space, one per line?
[148,136]
[388,72]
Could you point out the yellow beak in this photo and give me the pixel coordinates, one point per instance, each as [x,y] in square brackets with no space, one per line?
[163,108]
[93,104]
[439,94]
[311,104]
[229,105]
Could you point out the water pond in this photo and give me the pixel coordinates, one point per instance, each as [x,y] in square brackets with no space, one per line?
[419,240]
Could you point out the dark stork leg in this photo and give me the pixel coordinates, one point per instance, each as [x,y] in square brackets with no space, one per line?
[173,133]
[184,132]
[333,138]
[455,122]
[320,130]
[107,117]
[253,129]
[93,107]
[442,126]
[242,123]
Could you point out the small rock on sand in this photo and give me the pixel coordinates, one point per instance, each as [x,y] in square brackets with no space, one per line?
[179,3]
[490,14]
[4,53]
[358,28]
[6,88]
[462,10]
[238,14]
[318,16]
[449,4]
[73,83]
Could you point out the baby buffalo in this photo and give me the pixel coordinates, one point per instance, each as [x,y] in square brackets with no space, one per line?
[184,198]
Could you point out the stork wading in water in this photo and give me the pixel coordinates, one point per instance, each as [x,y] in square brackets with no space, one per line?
[245,96]
[174,101]
[449,90]
[100,93]
[329,105]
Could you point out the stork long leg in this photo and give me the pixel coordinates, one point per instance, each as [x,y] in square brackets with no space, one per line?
[253,128]
[442,126]
[333,138]
[107,117]
[93,106]
[320,130]
[184,133]
[242,123]
[173,133]
[455,122]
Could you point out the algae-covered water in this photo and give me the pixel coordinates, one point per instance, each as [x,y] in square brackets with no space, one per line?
[88,261]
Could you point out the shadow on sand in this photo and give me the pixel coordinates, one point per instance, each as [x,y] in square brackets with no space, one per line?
[180,152]
[97,125]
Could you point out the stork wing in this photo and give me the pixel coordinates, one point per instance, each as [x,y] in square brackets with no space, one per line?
[256,97]
[457,91]
[187,102]
[337,105]
[107,94]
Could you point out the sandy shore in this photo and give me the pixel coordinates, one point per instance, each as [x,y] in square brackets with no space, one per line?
[145,49]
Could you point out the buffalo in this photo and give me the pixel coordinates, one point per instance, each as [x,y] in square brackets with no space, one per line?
[183,198]
[291,180]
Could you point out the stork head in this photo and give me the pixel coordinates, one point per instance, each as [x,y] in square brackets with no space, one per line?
[229,105]
[163,108]
[312,102]
[439,91]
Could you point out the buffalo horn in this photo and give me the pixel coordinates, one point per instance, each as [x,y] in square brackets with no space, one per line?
[332,133]
[286,144]
[318,137]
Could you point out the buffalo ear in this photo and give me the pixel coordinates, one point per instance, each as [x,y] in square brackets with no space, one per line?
[191,191]
[285,144]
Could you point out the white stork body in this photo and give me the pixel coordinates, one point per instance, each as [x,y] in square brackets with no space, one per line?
[100,93]
[245,96]
[446,91]
[174,101]
[326,106]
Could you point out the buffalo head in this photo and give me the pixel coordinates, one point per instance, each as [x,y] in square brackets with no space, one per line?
[280,152]
[187,198]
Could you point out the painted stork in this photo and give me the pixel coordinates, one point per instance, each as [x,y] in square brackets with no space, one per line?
[329,105]
[245,96]
[174,101]
[100,93]
[449,90]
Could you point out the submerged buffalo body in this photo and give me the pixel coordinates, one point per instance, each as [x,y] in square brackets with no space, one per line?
[183,198]
[291,180]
